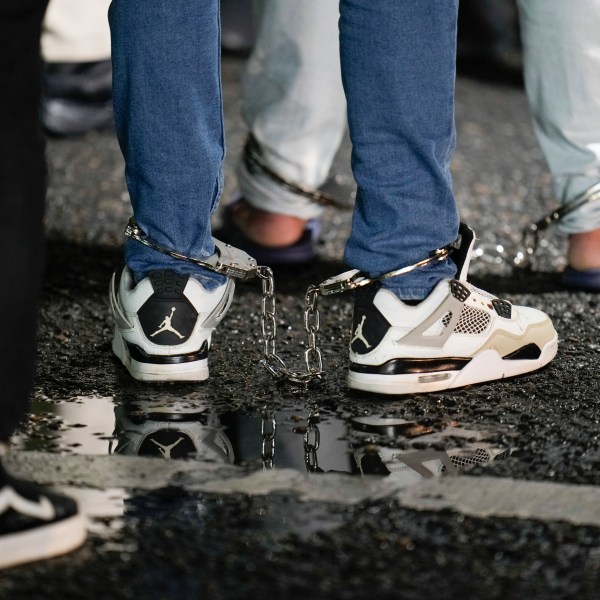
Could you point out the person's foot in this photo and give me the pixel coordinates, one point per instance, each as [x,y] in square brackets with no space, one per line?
[163,325]
[35,524]
[583,270]
[584,250]
[457,336]
[271,230]
[271,239]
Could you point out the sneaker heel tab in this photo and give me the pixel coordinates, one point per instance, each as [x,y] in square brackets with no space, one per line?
[462,256]
[115,309]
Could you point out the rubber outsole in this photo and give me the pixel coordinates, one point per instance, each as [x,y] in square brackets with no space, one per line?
[484,366]
[185,371]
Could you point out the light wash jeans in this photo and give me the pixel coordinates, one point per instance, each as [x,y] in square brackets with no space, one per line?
[398,70]
[562,75]
[293,102]
[76,31]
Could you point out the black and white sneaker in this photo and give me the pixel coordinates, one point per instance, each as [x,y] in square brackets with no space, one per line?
[34,523]
[163,325]
[459,335]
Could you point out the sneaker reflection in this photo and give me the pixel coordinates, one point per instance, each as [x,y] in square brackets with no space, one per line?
[364,445]
[170,431]
[409,451]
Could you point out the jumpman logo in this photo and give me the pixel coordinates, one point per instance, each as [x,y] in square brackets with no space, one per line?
[358,334]
[166,326]
[166,450]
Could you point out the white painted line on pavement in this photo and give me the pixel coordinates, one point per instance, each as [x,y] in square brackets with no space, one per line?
[502,497]
[473,496]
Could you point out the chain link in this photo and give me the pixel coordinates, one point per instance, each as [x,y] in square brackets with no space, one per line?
[268,428]
[312,441]
[312,324]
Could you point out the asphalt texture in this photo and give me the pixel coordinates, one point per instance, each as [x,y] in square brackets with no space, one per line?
[517,517]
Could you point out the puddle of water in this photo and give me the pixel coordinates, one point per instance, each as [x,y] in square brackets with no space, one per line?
[304,439]
[83,425]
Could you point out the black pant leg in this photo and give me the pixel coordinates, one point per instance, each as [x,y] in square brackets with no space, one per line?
[22,198]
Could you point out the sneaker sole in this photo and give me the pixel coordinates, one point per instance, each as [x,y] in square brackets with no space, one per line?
[485,366]
[45,541]
[186,371]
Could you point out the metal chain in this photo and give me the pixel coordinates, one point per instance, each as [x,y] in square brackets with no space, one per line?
[235,263]
[350,280]
[254,162]
[531,232]
[312,324]
[312,356]
[268,428]
[226,260]
[520,256]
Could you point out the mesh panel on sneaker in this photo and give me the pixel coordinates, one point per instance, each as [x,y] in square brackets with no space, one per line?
[438,327]
[446,319]
[472,321]
[479,456]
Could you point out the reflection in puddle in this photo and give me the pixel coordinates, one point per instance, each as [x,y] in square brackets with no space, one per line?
[170,434]
[306,440]
[83,424]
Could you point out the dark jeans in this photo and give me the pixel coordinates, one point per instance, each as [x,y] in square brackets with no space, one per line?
[22,195]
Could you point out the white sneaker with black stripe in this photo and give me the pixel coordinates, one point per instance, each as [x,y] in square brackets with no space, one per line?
[164,324]
[457,336]
[35,524]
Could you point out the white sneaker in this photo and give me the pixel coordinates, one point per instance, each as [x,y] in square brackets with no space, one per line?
[459,335]
[163,325]
[35,523]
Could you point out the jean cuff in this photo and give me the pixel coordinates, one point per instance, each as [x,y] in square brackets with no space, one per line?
[210,280]
[586,218]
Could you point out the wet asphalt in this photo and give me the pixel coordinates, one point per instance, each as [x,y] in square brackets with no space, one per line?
[297,490]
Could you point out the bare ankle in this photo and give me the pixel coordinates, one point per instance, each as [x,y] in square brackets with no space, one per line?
[584,250]
[268,229]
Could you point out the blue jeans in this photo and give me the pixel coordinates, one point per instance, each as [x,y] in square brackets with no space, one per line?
[398,69]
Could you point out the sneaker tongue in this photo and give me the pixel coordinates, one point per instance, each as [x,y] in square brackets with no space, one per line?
[462,256]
